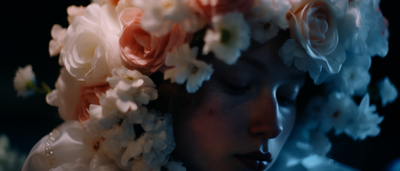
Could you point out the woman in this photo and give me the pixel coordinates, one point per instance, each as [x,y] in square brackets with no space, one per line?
[130,64]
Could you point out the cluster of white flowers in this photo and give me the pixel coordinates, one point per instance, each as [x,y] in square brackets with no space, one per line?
[121,115]
[266,18]
[186,67]
[335,47]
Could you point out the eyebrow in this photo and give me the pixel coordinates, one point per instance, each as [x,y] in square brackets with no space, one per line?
[252,62]
[262,67]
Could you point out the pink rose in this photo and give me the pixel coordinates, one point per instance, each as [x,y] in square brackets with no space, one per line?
[89,95]
[208,8]
[142,51]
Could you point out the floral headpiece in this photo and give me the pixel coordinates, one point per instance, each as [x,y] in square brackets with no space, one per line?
[111,47]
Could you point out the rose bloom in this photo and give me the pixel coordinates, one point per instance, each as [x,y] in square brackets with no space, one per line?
[73,97]
[208,8]
[313,24]
[89,95]
[141,50]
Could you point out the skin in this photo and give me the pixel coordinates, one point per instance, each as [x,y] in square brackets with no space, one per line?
[245,107]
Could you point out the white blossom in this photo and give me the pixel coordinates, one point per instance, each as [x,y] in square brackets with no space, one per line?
[116,127]
[24,81]
[132,89]
[102,162]
[230,34]
[159,16]
[293,53]
[175,166]
[366,121]
[154,146]
[319,142]
[353,32]
[57,43]
[376,26]
[187,68]
[266,18]
[74,11]
[354,77]
[339,111]
[387,91]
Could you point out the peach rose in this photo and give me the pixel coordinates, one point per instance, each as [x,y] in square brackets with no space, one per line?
[142,51]
[208,8]
[89,95]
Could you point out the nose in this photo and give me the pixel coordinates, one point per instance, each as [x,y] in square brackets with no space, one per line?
[264,118]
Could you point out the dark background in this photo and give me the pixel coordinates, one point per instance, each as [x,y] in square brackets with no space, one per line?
[25,35]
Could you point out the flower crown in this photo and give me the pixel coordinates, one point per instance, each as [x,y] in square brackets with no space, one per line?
[111,47]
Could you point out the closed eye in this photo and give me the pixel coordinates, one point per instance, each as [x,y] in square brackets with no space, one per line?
[234,89]
[285,101]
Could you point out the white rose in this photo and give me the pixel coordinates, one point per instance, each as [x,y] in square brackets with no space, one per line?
[90,44]
[314,27]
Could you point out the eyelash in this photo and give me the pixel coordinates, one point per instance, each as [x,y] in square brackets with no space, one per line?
[235,90]
[284,101]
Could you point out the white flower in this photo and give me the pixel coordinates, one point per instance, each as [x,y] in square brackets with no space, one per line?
[159,16]
[354,77]
[315,162]
[132,88]
[376,26]
[186,67]
[102,162]
[265,18]
[24,81]
[365,123]
[56,44]
[74,11]
[65,96]
[154,146]
[338,112]
[314,27]
[319,142]
[353,32]
[175,166]
[292,53]
[91,43]
[229,35]
[387,91]
[117,128]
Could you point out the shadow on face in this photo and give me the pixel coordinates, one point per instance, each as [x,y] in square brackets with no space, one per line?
[245,108]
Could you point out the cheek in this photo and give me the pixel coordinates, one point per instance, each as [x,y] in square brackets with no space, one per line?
[287,118]
[210,131]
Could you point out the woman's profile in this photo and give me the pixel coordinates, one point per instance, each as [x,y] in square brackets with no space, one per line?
[210,84]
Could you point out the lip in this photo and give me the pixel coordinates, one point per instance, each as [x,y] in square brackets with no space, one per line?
[255,160]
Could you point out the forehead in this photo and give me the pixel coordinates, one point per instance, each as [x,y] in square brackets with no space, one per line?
[263,60]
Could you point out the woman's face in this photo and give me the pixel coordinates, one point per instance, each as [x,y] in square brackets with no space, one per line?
[246,111]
